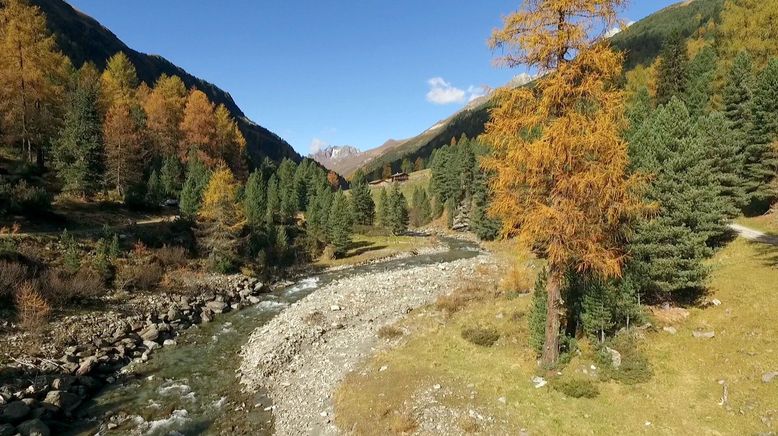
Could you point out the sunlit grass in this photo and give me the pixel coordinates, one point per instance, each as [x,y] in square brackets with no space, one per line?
[682,397]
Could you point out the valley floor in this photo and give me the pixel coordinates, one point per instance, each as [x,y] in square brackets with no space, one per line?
[304,353]
[432,381]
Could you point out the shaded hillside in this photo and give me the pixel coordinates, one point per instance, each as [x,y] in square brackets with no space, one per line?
[640,42]
[83,39]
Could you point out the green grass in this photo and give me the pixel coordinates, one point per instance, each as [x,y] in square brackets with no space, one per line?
[416,179]
[682,397]
[365,248]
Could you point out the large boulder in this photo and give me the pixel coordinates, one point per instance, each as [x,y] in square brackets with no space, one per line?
[216,306]
[87,365]
[64,401]
[14,412]
[7,430]
[150,333]
[33,427]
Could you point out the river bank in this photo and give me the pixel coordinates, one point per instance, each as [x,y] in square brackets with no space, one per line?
[301,355]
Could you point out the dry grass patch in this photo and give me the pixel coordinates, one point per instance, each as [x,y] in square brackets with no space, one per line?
[389,332]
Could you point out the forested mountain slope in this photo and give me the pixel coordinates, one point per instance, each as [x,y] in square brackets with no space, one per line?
[82,39]
[640,42]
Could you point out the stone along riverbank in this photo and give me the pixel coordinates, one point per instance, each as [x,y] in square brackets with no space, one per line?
[301,355]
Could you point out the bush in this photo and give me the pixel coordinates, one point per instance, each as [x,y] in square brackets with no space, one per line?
[389,332]
[481,336]
[518,279]
[62,287]
[33,309]
[23,198]
[11,275]
[171,256]
[576,388]
[143,277]
[635,367]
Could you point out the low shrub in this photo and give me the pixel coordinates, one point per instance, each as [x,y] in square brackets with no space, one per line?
[469,424]
[403,423]
[62,287]
[484,337]
[171,256]
[389,332]
[23,198]
[32,308]
[517,280]
[635,367]
[139,277]
[461,297]
[12,274]
[576,388]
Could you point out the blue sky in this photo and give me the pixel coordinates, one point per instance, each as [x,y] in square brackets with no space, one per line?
[338,72]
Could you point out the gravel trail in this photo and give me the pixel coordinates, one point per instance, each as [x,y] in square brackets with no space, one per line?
[302,355]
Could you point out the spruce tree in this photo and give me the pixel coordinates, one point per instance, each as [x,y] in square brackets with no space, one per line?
[154,190]
[672,73]
[382,207]
[760,153]
[396,211]
[362,200]
[537,314]
[406,166]
[723,152]
[318,213]
[668,251]
[639,108]
[197,177]
[78,152]
[273,199]
[255,200]
[170,176]
[485,227]
[421,211]
[339,224]
[702,70]
[738,91]
[287,194]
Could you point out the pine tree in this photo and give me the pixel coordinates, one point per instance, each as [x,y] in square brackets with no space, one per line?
[220,219]
[702,71]
[485,227]
[537,314]
[273,199]
[761,161]
[382,207]
[672,73]
[155,193]
[197,178]
[722,149]
[78,152]
[362,200]
[421,211]
[396,211]
[738,91]
[32,78]
[170,176]
[564,187]
[255,200]
[638,109]
[288,196]
[668,251]
[318,214]
[406,166]
[596,315]
[339,224]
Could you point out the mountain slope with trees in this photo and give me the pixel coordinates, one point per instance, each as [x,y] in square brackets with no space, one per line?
[641,43]
[83,39]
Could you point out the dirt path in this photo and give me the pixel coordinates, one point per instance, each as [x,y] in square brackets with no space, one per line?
[754,235]
[304,353]
[95,229]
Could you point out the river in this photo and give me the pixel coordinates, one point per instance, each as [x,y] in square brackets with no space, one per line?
[193,387]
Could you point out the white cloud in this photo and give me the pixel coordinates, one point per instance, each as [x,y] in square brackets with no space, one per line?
[317,144]
[442,92]
[618,29]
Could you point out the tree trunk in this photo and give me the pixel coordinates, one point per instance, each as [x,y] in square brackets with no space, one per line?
[553,312]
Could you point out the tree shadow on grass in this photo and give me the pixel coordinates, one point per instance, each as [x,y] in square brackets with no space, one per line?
[362,247]
[767,253]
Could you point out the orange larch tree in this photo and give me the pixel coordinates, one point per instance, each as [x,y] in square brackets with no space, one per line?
[165,110]
[124,145]
[561,168]
[230,142]
[198,128]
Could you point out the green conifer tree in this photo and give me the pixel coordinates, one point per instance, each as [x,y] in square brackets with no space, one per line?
[197,177]
[672,73]
[702,71]
[273,199]
[170,176]
[255,200]
[760,153]
[154,190]
[339,225]
[78,152]
[362,200]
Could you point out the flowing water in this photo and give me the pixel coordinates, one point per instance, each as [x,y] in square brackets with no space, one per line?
[193,388]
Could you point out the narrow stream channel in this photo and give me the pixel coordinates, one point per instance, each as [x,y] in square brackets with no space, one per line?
[192,388]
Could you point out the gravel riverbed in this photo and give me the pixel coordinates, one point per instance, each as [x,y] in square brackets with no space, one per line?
[302,355]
